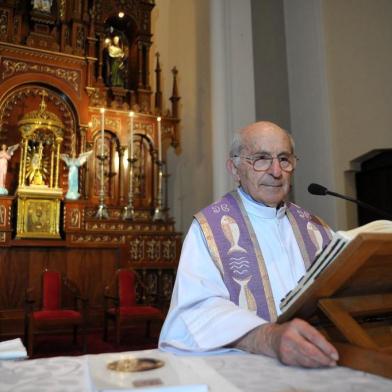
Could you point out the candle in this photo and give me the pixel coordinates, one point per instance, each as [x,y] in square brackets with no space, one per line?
[102,110]
[159,140]
[130,145]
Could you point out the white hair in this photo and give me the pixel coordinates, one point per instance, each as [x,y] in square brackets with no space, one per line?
[237,144]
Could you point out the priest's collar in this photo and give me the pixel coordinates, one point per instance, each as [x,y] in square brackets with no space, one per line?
[259,208]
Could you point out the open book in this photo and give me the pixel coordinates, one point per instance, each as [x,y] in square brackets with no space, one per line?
[326,257]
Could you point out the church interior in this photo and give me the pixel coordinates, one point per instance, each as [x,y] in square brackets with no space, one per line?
[116,117]
[85,136]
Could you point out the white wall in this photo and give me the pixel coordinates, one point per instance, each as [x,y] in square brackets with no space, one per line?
[232,81]
[339,62]
[339,90]
[210,42]
[309,109]
[270,62]
[358,36]
[181,35]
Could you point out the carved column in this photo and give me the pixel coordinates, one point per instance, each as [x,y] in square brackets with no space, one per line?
[146,66]
[158,92]
[83,132]
[85,15]
[91,79]
[140,71]
[101,39]
[174,97]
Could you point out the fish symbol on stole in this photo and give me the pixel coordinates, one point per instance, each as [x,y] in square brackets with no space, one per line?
[315,236]
[232,233]
[246,300]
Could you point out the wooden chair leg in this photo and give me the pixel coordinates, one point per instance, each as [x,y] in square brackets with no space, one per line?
[105,328]
[30,338]
[148,328]
[118,330]
[26,331]
[75,334]
[84,338]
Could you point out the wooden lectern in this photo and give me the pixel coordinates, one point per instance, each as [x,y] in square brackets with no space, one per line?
[351,303]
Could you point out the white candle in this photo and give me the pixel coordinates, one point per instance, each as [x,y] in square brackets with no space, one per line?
[102,110]
[130,145]
[159,140]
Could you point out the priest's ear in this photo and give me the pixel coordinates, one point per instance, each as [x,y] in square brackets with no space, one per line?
[232,169]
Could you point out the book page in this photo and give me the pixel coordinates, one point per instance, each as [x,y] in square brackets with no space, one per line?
[330,252]
[327,256]
[378,226]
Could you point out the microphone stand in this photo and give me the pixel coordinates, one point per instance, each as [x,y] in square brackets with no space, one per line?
[319,190]
[361,204]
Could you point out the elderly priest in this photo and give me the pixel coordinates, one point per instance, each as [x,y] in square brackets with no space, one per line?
[241,256]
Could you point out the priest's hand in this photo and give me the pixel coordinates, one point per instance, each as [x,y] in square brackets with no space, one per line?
[294,343]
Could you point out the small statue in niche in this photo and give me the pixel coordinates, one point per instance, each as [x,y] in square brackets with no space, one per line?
[73,165]
[36,165]
[5,155]
[116,62]
[42,5]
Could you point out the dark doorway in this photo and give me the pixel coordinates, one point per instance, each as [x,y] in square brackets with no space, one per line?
[374,185]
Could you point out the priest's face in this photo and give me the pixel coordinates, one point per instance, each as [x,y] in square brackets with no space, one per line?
[269,185]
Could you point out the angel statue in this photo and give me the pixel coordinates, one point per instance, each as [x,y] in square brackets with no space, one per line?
[73,165]
[5,155]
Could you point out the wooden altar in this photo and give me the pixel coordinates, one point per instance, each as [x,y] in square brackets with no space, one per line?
[83,59]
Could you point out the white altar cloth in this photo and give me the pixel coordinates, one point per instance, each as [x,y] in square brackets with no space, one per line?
[228,373]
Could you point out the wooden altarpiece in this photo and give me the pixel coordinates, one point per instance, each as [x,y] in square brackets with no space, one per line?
[351,303]
[90,62]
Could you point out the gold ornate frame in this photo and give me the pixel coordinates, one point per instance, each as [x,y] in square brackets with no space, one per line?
[39,195]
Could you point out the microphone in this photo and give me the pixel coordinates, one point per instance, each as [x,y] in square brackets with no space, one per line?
[316,189]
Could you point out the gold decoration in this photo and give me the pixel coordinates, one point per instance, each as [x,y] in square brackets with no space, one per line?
[42,135]
[38,213]
[129,365]
[38,193]
[136,249]
[153,249]
[3,214]
[12,67]
[169,250]
[144,128]
[75,218]
[96,238]
[36,165]
[110,123]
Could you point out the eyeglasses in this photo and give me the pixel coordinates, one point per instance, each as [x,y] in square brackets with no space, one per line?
[264,161]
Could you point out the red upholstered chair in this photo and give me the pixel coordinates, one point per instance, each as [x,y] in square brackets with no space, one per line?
[53,313]
[121,307]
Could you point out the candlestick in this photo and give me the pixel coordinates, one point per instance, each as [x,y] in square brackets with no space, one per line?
[129,212]
[159,140]
[102,110]
[102,212]
[130,145]
[159,214]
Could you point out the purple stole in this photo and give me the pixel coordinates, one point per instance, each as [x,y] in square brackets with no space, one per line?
[233,246]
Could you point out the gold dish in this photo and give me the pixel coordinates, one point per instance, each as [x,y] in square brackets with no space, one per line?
[130,365]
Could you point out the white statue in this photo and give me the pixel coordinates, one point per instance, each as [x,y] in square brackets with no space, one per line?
[5,155]
[73,165]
